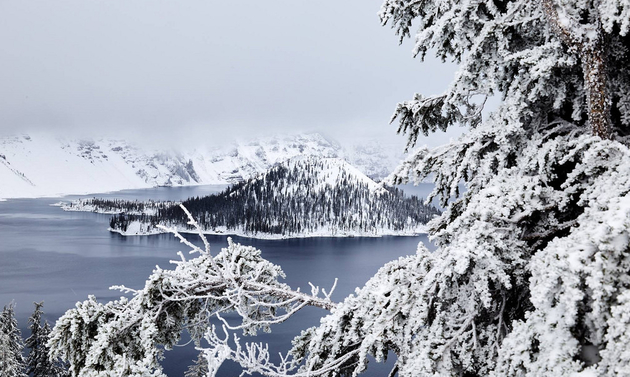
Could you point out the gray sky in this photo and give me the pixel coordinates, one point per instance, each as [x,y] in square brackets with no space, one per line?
[192,70]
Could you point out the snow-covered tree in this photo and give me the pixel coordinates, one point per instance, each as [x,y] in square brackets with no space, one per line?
[127,337]
[38,362]
[530,277]
[199,368]
[11,345]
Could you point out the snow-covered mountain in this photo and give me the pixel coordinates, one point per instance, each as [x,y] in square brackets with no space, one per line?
[373,157]
[300,197]
[40,165]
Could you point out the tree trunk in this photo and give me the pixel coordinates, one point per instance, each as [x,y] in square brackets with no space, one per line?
[588,42]
[594,67]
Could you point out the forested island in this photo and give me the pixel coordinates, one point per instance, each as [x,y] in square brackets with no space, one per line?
[115,206]
[301,197]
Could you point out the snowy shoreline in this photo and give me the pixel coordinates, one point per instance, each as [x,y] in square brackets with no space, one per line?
[138,229]
[83,205]
[74,206]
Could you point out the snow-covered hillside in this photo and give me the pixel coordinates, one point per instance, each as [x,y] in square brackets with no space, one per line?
[375,158]
[40,165]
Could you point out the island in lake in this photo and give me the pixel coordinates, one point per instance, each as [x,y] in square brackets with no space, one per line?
[301,197]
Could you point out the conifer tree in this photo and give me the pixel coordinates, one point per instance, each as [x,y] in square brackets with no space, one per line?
[199,368]
[38,361]
[530,274]
[12,362]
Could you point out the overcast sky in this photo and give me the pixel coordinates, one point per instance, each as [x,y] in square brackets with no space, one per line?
[200,70]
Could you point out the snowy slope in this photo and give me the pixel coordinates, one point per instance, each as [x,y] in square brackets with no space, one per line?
[242,160]
[40,165]
[374,157]
[324,172]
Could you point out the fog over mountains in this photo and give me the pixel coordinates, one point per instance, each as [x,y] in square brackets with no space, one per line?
[41,165]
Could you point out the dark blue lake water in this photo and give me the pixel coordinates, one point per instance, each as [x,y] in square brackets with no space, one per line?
[62,257]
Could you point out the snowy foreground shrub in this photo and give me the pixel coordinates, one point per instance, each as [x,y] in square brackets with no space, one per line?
[531,275]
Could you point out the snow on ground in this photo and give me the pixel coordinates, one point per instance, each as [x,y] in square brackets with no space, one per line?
[332,171]
[38,166]
[136,228]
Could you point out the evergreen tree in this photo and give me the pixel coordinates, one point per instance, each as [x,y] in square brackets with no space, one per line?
[199,368]
[530,275]
[38,361]
[11,345]
[7,359]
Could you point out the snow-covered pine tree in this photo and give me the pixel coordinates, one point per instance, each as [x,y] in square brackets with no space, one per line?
[7,362]
[199,368]
[127,337]
[11,345]
[38,362]
[58,368]
[531,273]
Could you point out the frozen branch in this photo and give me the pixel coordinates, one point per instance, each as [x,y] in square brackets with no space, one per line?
[236,280]
[255,358]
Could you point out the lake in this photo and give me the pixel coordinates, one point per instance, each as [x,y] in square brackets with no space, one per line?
[60,258]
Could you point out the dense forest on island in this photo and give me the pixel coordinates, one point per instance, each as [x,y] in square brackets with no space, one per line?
[116,206]
[300,196]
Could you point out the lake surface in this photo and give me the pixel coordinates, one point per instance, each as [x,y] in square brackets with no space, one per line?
[62,257]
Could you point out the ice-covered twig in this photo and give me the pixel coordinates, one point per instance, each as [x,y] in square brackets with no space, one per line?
[332,289]
[255,357]
[123,289]
[465,326]
[314,289]
[193,222]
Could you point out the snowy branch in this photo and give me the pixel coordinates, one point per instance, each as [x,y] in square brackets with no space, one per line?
[188,297]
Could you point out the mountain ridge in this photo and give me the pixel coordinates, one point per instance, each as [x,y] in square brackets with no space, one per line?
[41,165]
